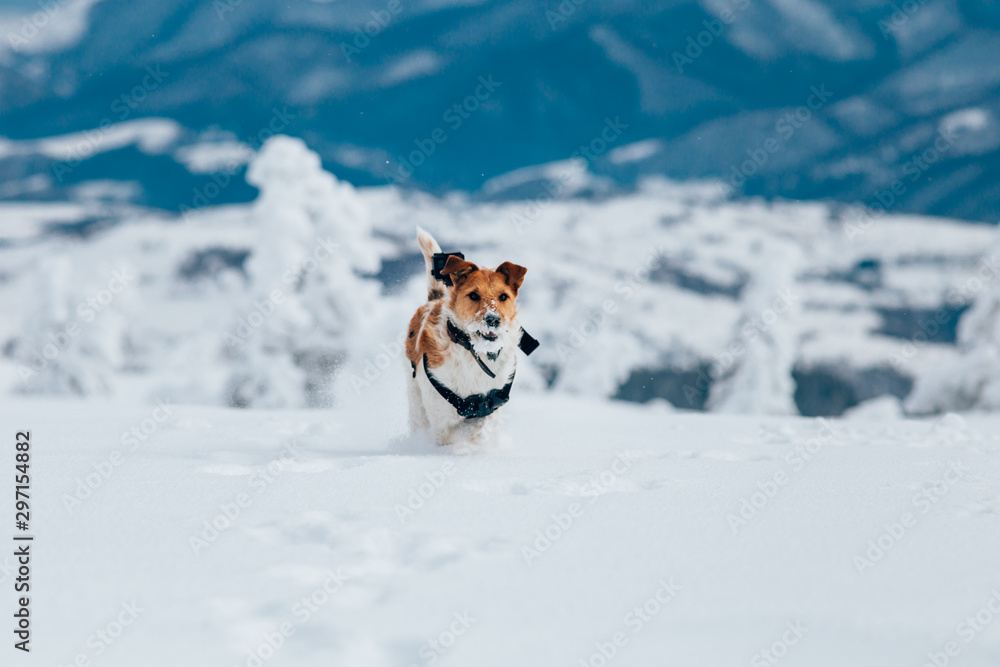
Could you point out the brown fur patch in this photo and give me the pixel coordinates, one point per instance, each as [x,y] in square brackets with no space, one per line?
[425,322]
[416,322]
[513,274]
[458,269]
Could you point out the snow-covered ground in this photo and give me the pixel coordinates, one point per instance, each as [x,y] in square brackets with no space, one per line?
[660,537]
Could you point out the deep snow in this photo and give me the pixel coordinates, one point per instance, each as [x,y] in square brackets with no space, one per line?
[651,494]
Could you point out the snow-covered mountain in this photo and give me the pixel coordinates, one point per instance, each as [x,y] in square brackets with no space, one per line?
[854,101]
[673,291]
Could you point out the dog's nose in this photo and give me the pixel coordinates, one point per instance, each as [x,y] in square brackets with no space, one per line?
[492,320]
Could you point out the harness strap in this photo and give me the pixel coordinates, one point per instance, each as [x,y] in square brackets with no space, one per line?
[528,343]
[461,338]
[477,405]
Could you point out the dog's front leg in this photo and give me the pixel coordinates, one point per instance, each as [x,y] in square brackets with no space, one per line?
[448,434]
[482,431]
[418,416]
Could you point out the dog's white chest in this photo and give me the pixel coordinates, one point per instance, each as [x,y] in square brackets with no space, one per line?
[462,374]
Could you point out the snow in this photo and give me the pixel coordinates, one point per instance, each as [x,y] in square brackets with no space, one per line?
[877,410]
[27,220]
[300,297]
[411,66]
[635,152]
[647,499]
[214,157]
[46,27]
[291,300]
[150,135]
[971,380]
[482,345]
[756,376]
[919,31]
[571,175]
[186,532]
[814,28]
[976,129]
[938,82]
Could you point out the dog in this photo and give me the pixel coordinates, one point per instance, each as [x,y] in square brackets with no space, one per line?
[462,346]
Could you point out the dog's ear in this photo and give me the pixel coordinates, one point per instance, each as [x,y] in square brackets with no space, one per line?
[513,273]
[458,269]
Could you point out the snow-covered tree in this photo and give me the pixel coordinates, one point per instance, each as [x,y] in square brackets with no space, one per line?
[973,381]
[754,375]
[309,303]
[76,329]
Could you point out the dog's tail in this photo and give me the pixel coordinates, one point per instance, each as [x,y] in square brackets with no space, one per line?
[429,247]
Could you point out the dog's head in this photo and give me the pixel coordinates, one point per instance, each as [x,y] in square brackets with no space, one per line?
[484,301]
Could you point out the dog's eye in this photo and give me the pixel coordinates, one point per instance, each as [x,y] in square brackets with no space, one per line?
[474,296]
[503,297]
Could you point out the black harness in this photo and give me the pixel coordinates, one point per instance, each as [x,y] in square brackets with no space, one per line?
[475,406]
[461,338]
